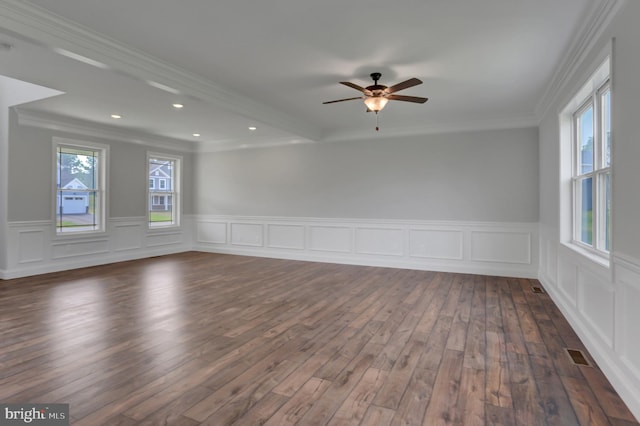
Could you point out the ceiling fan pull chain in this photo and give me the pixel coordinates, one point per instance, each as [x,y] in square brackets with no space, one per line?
[377,128]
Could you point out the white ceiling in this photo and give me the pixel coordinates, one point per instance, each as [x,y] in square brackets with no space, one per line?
[271,63]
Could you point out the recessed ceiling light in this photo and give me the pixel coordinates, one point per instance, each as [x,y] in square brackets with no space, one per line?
[116,116]
[252,128]
[196,135]
[178,106]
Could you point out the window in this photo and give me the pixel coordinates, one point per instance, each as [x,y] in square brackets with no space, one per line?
[79,192]
[588,128]
[163,200]
[151,184]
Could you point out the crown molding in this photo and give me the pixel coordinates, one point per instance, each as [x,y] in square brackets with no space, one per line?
[40,26]
[59,123]
[581,44]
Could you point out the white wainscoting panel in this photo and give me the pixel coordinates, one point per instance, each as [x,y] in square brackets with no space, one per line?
[551,257]
[31,245]
[330,238]
[127,236]
[596,303]
[246,234]
[568,282]
[602,305]
[628,314]
[386,242]
[496,246]
[75,248]
[426,245]
[164,238]
[285,236]
[436,244]
[212,232]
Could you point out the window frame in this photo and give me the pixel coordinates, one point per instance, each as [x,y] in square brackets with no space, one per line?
[596,81]
[101,188]
[599,170]
[172,191]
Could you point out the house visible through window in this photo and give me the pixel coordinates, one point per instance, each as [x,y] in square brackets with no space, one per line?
[163,190]
[79,189]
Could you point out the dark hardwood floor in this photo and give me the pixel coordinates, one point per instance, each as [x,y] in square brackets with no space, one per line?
[201,338]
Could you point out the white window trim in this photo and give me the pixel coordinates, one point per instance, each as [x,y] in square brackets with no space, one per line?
[103,180]
[599,75]
[176,191]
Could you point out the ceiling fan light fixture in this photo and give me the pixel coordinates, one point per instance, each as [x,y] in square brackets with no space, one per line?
[375,103]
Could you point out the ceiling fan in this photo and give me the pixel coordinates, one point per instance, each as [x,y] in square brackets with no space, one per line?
[377,95]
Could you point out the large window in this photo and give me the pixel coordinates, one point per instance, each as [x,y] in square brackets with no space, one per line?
[164,186]
[591,176]
[79,193]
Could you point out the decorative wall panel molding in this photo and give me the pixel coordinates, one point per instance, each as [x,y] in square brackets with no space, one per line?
[286,236]
[498,246]
[35,249]
[428,245]
[75,248]
[386,242]
[211,232]
[127,235]
[337,239]
[247,234]
[436,244]
[30,245]
[601,304]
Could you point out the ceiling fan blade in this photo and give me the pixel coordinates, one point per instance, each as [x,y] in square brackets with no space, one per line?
[342,100]
[404,85]
[415,99]
[358,88]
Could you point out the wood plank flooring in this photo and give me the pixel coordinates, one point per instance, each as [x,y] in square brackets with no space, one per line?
[206,339]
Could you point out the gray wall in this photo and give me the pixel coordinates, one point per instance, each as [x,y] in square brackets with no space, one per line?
[474,176]
[31,171]
[626,139]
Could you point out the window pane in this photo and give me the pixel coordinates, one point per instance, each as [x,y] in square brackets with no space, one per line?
[606,211]
[606,127]
[161,211]
[584,210]
[77,206]
[585,141]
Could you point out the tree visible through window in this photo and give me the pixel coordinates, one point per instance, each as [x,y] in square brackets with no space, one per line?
[79,194]
[163,187]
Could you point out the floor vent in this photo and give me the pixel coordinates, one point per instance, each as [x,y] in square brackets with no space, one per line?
[537,289]
[578,357]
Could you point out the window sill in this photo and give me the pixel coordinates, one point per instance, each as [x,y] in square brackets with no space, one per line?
[80,235]
[164,229]
[597,258]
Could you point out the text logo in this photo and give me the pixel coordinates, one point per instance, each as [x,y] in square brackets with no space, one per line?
[34,414]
